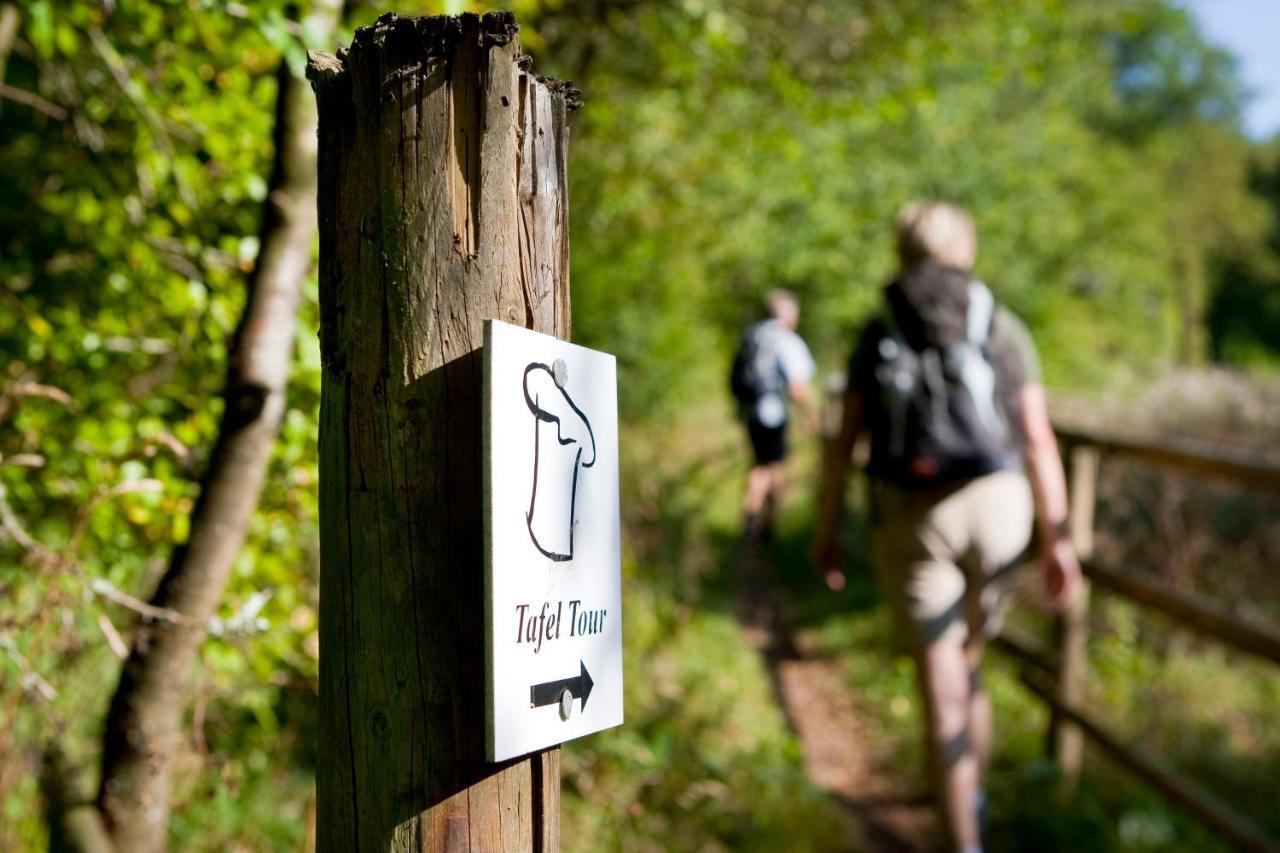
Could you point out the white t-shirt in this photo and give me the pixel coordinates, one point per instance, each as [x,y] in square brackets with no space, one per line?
[797,365]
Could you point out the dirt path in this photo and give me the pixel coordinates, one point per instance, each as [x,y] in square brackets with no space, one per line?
[886,805]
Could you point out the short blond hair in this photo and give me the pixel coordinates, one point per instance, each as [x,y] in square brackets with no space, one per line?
[782,305]
[936,231]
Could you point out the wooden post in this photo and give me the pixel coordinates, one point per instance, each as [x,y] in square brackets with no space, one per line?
[442,203]
[1066,739]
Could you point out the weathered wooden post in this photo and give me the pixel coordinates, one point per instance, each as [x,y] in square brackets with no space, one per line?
[442,203]
[1072,634]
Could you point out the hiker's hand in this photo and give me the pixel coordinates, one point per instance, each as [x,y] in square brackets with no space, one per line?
[1061,574]
[826,558]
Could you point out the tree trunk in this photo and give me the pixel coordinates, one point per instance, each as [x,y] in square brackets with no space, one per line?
[8,34]
[442,203]
[75,823]
[143,727]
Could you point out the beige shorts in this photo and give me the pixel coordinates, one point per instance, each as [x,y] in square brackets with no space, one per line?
[946,557]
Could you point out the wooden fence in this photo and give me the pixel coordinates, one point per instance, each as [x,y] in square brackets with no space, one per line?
[1057,672]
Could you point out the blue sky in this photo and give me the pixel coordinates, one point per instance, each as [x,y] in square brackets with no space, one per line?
[1251,30]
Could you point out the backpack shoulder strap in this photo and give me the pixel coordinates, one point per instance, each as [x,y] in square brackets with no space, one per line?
[981,313]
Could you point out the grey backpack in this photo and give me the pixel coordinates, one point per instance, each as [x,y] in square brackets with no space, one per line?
[756,374]
[938,386]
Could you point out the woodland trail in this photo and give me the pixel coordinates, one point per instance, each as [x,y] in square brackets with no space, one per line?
[887,807]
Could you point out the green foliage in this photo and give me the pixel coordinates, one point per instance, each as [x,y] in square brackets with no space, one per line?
[727,147]
[128,221]
[770,144]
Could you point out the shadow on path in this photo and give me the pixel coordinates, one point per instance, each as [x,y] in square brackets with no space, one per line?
[888,810]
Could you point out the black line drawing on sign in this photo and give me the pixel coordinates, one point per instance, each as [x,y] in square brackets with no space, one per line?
[545,395]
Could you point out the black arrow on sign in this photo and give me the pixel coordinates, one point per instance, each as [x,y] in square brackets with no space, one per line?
[549,693]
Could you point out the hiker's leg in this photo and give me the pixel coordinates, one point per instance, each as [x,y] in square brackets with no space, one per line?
[777,483]
[979,708]
[1002,529]
[921,537]
[944,676]
[773,497]
[980,731]
[759,485]
[767,449]
[980,726]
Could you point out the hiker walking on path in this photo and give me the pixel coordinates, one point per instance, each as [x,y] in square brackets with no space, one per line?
[772,366]
[963,460]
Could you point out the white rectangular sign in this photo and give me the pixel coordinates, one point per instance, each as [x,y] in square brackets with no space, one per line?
[553,584]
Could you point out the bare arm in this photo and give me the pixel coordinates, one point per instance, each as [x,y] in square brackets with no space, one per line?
[1049,487]
[835,473]
[802,395]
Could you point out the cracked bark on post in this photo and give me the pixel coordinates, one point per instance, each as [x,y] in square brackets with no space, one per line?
[143,726]
[442,203]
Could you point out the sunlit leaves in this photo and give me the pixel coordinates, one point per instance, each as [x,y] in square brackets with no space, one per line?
[709,169]
[126,232]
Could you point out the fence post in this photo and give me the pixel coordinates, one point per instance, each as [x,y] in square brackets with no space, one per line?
[442,203]
[1066,738]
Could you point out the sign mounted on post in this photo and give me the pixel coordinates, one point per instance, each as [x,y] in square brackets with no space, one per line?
[553,581]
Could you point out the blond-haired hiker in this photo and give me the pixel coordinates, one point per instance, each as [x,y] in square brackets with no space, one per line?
[963,464]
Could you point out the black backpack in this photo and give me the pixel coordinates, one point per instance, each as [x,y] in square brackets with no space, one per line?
[942,417]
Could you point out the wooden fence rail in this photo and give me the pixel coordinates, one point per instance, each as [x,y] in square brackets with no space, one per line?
[1197,457]
[1057,673]
[1197,612]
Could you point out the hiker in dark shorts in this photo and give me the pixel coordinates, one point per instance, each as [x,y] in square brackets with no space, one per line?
[963,463]
[772,366]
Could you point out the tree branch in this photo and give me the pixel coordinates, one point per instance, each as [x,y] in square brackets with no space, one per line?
[142,730]
[150,612]
[8,34]
[31,99]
